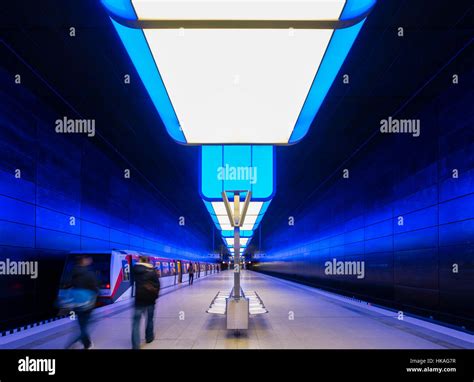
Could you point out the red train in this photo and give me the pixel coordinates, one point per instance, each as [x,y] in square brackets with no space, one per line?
[113,269]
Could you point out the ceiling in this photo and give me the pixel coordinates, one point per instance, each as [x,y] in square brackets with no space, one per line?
[84,75]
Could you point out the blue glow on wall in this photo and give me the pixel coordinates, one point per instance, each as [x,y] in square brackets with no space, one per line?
[410,218]
[139,52]
[341,42]
[62,182]
[356,7]
[121,8]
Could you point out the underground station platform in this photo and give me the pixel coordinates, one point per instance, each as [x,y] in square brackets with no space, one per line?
[252,185]
[297,317]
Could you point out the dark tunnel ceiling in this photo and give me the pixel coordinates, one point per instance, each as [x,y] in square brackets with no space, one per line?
[385,70]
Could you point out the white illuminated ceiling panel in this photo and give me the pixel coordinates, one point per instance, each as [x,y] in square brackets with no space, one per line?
[227,226]
[249,223]
[251,86]
[253,210]
[243,241]
[238,9]
[232,85]
[238,71]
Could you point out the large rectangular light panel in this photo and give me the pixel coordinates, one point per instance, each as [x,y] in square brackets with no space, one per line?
[237,9]
[242,247]
[253,209]
[255,213]
[224,168]
[250,87]
[243,233]
[238,72]
[243,241]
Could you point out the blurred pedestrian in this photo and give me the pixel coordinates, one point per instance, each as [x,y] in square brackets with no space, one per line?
[147,289]
[85,287]
[191,273]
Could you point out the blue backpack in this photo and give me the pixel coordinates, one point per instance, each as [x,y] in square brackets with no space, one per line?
[76,299]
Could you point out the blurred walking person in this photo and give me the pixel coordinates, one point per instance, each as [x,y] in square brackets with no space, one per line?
[191,273]
[147,289]
[85,289]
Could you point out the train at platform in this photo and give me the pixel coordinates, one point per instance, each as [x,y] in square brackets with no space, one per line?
[114,271]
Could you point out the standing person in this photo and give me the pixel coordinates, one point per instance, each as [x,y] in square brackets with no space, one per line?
[191,273]
[147,287]
[85,283]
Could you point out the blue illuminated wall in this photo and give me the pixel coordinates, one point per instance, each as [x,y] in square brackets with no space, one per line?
[64,176]
[410,266]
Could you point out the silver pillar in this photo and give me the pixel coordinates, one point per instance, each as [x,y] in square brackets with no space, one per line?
[237,246]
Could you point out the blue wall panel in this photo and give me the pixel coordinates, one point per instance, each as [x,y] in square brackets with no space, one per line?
[409,266]
[53,220]
[15,234]
[57,240]
[64,176]
[15,210]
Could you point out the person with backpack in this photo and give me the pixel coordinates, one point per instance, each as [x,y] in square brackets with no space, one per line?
[86,286]
[191,273]
[147,288]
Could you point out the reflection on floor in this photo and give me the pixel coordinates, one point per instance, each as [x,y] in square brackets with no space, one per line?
[299,317]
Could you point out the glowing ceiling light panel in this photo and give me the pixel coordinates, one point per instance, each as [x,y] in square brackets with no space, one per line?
[230,233]
[255,213]
[238,72]
[231,248]
[239,167]
[243,242]
[225,168]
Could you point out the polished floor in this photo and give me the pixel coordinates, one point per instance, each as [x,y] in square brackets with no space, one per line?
[298,317]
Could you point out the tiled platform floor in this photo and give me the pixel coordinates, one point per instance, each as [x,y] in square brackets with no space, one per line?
[319,322]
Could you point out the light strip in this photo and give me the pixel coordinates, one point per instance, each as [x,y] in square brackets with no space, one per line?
[237,10]
[243,233]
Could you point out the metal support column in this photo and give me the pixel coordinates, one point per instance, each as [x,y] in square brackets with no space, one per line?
[237,245]
[237,307]
[236,262]
[236,219]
